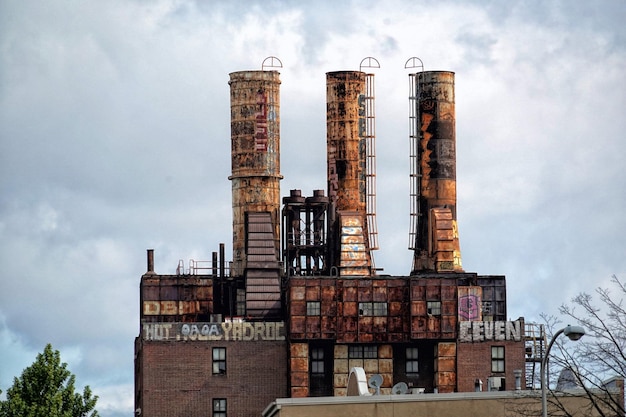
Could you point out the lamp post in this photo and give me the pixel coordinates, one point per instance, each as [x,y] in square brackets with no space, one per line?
[574,333]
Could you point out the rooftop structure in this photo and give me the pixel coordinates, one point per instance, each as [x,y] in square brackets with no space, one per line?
[301,302]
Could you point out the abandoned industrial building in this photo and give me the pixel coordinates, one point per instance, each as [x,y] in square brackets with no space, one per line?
[301,303]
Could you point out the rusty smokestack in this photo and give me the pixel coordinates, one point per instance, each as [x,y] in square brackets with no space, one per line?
[436,246]
[150,254]
[346,162]
[255,147]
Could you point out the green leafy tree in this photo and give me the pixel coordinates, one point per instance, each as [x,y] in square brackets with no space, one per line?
[46,389]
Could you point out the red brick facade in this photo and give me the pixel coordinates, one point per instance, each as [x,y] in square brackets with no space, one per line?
[175,378]
[474,362]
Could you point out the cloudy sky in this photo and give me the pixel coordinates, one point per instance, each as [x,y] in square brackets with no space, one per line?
[115,138]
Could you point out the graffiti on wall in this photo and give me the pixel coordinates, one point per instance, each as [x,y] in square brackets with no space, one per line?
[227,331]
[485,331]
[470,303]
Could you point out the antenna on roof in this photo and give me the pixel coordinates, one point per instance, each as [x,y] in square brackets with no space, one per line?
[273,63]
[400,388]
[375,382]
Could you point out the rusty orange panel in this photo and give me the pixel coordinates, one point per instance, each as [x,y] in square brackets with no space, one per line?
[448,307]
[396,324]
[447,364]
[328,309]
[446,349]
[365,294]
[365,324]
[380,325]
[299,350]
[445,234]
[364,283]
[328,294]
[396,309]
[299,366]
[433,324]
[448,292]
[347,338]
[418,308]
[300,378]
[313,326]
[299,392]
[312,282]
[365,337]
[297,308]
[350,309]
[445,379]
[418,324]
[418,292]
[380,292]
[329,324]
[396,293]
[188,307]
[297,282]
[297,324]
[433,292]
[312,293]
[448,326]
[349,324]
[298,293]
[350,293]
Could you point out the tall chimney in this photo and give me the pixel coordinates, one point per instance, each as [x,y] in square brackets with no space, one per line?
[255,147]
[436,245]
[346,161]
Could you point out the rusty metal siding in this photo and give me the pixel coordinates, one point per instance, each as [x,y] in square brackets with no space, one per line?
[255,151]
[493,297]
[434,289]
[170,298]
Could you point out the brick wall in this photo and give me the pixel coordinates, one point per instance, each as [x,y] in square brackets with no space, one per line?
[177,379]
[474,362]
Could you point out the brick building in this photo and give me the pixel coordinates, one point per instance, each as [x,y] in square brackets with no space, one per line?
[301,304]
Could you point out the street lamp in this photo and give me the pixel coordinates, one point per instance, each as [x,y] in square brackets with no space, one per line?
[574,333]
